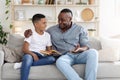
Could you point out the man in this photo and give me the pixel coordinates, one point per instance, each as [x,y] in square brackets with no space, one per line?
[72,42]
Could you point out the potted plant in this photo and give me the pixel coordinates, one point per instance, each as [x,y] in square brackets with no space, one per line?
[3,34]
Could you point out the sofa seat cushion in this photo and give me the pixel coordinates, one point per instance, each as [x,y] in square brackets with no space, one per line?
[109,70]
[46,72]
[50,72]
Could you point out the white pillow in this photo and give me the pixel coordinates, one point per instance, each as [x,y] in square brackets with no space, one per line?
[112,46]
[108,54]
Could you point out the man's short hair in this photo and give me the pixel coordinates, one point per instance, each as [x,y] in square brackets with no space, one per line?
[66,11]
[37,17]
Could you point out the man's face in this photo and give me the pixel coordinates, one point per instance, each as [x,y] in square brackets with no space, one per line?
[41,24]
[64,20]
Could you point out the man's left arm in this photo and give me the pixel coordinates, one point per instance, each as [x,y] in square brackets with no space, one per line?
[83,39]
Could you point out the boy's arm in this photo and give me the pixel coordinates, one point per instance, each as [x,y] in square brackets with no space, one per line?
[26,50]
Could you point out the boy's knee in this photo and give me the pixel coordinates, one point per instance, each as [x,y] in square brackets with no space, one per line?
[27,58]
[52,59]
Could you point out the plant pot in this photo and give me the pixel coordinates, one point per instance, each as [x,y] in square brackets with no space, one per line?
[91,33]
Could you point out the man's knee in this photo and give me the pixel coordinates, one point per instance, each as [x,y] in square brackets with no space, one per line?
[59,61]
[62,60]
[93,53]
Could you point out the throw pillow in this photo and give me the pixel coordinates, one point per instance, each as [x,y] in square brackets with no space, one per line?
[108,54]
[15,40]
[10,55]
[13,51]
[95,43]
[111,44]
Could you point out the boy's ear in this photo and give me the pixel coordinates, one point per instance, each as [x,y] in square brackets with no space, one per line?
[35,24]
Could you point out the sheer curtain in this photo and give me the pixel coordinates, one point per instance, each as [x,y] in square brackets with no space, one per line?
[109,18]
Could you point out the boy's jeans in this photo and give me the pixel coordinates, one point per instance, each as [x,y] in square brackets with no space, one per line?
[88,57]
[28,62]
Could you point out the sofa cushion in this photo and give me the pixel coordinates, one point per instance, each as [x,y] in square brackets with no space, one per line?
[108,49]
[109,70]
[13,50]
[95,43]
[108,54]
[15,41]
[46,72]
[10,55]
[50,72]
[108,43]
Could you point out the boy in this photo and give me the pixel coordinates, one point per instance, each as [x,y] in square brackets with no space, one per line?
[37,48]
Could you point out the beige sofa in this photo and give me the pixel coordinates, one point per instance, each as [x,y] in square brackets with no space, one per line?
[108,69]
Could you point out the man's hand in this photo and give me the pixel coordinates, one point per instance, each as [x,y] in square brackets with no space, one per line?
[79,49]
[35,57]
[28,33]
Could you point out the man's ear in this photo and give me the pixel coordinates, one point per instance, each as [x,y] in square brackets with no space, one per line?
[70,18]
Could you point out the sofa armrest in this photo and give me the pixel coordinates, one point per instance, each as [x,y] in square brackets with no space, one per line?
[1,61]
[1,58]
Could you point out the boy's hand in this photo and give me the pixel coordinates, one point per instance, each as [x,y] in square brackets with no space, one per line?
[46,52]
[55,52]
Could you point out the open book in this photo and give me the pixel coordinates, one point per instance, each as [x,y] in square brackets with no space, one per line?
[51,52]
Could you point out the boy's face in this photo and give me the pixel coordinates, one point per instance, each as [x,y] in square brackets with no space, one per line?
[41,24]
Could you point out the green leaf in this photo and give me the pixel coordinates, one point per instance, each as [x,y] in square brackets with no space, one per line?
[3,35]
[7,11]
[0,27]
[6,3]
[4,41]
[7,18]
[11,26]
